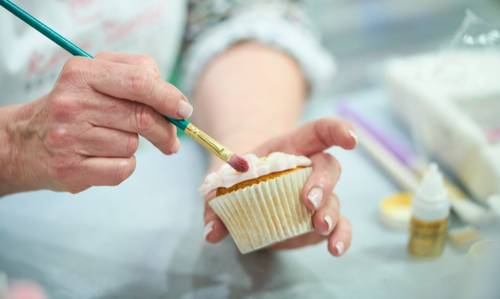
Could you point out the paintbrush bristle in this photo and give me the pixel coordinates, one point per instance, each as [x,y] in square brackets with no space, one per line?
[238,163]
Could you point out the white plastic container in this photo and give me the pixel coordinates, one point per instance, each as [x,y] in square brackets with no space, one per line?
[451,100]
[430,211]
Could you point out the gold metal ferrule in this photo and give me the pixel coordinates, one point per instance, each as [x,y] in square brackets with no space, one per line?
[218,149]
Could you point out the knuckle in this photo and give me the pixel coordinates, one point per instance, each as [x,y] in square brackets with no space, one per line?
[343,123]
[72,69]
[325,123]
[144,118]
[332,169]
[149,64]
[347,222]
[318,217]
[330,160]
[60,169]
[62,107]
[336,165]
[171,137]
[57,138]
[325,120]
[132,144]
[136,81]
[145,60]
[120,174]
[76,189]
[73,190]
[347,228]
[169,103]
[336,202]
[103,55]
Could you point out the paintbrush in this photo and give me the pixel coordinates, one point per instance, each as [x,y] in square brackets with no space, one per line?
[235,161]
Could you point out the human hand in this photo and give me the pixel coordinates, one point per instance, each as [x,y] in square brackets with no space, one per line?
[309,140]
[85,131]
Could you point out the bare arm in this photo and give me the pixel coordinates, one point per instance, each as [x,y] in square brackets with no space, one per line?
[259,92]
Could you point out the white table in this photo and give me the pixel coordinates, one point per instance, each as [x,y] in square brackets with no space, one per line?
[144,238]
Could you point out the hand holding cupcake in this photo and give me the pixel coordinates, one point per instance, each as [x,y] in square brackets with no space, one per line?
[291,200]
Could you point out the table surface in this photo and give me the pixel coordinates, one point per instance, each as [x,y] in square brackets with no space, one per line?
[144,238]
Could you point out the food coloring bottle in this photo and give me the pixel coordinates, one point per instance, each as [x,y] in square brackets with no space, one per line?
[430,211]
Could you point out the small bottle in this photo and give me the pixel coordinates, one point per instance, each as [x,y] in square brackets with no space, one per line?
[430,211]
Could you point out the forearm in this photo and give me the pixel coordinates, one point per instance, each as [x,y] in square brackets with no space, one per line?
[247,95]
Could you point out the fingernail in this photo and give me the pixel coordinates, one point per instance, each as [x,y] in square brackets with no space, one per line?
[340,247]
[208,229]
[328,221]
[176,147]
[315,196]
[354,136]
[185,109]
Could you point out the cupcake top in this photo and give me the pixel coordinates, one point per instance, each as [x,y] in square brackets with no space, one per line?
[228,177]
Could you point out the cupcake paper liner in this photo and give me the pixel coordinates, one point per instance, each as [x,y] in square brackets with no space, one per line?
[266,213]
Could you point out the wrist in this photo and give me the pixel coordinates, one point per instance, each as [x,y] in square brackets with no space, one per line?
[14,174]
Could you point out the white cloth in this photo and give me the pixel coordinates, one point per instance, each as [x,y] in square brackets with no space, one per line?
[30,63]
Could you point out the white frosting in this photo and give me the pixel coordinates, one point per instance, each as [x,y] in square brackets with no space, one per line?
[228,177]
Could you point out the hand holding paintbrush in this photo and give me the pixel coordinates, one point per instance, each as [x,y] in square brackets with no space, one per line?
[238,163]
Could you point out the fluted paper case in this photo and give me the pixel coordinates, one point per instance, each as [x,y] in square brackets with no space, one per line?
[265,213]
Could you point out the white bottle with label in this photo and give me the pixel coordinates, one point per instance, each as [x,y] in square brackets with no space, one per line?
[430,211]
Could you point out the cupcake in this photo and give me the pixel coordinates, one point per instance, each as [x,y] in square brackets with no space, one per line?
[264,205]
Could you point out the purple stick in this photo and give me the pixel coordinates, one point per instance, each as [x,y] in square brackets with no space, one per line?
[405,155]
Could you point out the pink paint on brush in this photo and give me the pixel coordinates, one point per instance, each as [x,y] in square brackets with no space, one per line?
[238,163]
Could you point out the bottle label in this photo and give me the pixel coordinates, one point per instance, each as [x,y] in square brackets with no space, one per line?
[427,239]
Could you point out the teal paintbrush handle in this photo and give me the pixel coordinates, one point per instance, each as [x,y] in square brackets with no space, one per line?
[64,43]
[43,29]
[179,123]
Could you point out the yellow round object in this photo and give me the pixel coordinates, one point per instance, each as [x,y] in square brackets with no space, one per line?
[482,250]
[396,210]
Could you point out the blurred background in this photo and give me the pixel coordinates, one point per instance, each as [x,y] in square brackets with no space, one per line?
[362,33]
